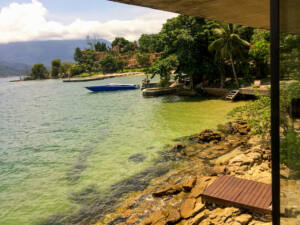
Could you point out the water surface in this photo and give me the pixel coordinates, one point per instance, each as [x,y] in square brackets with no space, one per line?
[58,139]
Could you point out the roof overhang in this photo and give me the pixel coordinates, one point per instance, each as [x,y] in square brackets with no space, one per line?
[253,13]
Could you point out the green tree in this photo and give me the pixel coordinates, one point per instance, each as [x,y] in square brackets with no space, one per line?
[78,55]
[149,43]
[187,38]
[143,59]
[39,71]
[260,52]
[88,60]
[121,64]
[124,45]
[228,44]
[100,47]
[76,70]
[164,68]
[65,69]
[120,41]
[109,64]
[55,68]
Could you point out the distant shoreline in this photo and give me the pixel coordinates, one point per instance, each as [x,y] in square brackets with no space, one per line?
[102,77]
[88,78]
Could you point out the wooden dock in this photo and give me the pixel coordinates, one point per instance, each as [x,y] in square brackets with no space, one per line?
[240,193]
[263,90]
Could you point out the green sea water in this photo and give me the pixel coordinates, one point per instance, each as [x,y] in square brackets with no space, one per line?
[58,141]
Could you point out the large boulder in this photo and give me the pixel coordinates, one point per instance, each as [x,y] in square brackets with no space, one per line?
[206,136]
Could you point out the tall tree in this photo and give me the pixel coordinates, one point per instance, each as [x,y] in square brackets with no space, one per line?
[38,71]
[55,67]
[185,36]
[78,55]
[123,44]
[228,44]
[149,43]
[100,47]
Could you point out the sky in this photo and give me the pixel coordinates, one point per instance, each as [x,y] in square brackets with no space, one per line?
[29,20]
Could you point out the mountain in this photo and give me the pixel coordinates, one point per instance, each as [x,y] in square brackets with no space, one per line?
[13,69]
[29,53]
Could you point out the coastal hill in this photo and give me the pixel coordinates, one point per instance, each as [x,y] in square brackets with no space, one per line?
[13,69]
[18,56]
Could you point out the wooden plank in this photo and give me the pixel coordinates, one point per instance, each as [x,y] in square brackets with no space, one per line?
[237,192]
[213,186]
[219,186]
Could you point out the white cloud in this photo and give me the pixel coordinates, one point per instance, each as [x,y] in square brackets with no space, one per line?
[27,21]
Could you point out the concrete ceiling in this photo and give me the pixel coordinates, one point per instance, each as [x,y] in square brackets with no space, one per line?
[253,13]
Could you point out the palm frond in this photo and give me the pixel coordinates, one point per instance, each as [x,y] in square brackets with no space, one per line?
[216,45]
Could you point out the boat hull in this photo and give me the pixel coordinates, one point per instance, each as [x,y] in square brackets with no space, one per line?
[112,88]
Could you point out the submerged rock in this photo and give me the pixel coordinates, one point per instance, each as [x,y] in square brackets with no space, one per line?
[206,136]
[137,158]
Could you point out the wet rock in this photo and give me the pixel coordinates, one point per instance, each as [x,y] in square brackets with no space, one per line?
[189,183]
[173,215]
[234,128]
[242,128]
[167,190]
[197,219]
[158,217]
[137,158]
[243,219]
[206,136]
[191,207]
[218,170]
[227,128]
[200,186]
[178,147]
[187,207]
[132,219]
[126,214]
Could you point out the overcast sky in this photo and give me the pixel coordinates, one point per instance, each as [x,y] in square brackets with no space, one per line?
[27,20]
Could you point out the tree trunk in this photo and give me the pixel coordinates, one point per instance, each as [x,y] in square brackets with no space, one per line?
[222,83]
[234,72]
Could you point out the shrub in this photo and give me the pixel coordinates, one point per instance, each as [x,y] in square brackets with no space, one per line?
[163,68]
[257,114]
[76,70]
[290,151]
[109,64]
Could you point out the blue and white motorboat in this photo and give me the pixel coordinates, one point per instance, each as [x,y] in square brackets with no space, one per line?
[113,87]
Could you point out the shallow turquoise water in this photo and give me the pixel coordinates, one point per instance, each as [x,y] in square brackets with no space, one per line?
[57,139]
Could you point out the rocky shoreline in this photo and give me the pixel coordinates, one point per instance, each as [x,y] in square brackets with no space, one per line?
[174,198]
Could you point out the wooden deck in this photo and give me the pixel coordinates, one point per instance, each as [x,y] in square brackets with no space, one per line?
[241,193]
[263,90]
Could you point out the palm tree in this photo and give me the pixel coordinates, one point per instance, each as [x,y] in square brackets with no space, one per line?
[228,43]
